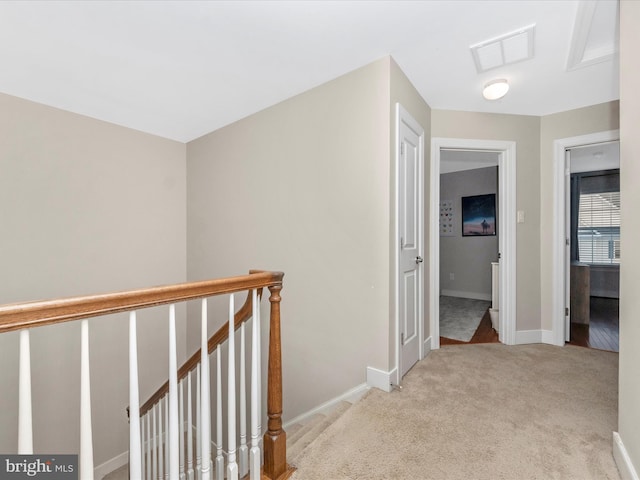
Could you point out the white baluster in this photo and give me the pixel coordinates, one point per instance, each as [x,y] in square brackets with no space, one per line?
[254,457]
[86,437]
[258,328]
[149,463]
[167,453]
[181,427]
[243,451]
[160,443]
[205,403]
[198,429]
[173,434]
[25,423]
[154,450]
[143,463]
[189,431]
[135,451]
[219,457]
[232,466]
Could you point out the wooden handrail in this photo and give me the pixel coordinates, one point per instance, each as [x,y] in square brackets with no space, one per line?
[49,312]
[216,339]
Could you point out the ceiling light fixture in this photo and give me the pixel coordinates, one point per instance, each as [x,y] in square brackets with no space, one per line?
[495,89]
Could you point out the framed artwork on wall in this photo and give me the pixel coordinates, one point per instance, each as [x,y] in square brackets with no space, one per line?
[479,215]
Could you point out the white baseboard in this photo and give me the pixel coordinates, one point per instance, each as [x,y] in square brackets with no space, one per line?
[381,379]
[625,467]
[547,337]
[350,396]
[110,465]
[473,295]
[524,337]
[426,348]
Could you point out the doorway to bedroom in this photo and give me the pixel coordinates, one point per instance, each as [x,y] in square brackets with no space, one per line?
[480,211]
[468,246]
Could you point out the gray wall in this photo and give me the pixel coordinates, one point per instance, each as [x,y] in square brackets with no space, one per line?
[304,187]
[629,394]
[467,258]
[86,207]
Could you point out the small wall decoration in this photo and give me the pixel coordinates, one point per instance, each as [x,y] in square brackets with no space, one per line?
[479,215]
[446,218]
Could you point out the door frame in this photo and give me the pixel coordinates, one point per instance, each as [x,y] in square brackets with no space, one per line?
[506,231]
[559,281]
[403,116]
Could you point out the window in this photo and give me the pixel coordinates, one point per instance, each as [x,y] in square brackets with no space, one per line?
[597,229]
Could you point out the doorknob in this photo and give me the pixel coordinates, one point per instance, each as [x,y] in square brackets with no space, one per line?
[419,259]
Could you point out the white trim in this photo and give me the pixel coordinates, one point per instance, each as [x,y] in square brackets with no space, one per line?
[350,396]
[559,219]
[472,295]
[403,116]
[426,348]
[111,465]
[623,461]
[524,337]
[380,379]
[506,229]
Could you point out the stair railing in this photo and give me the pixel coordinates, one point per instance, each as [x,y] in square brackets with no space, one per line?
[157,428]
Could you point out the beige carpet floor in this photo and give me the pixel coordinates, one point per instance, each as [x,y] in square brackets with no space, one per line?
[481,412]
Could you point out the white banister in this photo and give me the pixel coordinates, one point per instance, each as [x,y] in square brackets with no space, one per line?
[135,451]
[232,465]
[243,450]
[219,457]
[154,449]
[160,446]
[149,464]
[205,403]
[198,429]
[254,457]
[86,437]
[173,461]
[25,423]
[189,431]
[181,427]
[167,453]
[143,458]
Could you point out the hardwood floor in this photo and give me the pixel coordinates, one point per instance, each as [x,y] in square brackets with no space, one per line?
[484,334]
[601,333]
[603,329]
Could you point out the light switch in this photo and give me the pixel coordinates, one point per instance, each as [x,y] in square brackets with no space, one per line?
[520,216]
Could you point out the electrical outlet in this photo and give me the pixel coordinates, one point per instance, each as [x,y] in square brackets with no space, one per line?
[452,276]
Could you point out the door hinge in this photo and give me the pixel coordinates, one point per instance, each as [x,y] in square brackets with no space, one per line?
[402,339]
[402,148]
[566,311]
[568,242]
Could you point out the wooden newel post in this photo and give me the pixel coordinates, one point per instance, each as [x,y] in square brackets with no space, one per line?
[275,439]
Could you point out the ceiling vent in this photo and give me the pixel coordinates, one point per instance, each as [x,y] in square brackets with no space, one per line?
[504,50]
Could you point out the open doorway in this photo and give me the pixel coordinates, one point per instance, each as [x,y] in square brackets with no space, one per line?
[468,246]
[593,209]
[562,243]
[504,223]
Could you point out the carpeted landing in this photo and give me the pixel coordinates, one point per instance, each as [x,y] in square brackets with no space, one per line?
[482,412]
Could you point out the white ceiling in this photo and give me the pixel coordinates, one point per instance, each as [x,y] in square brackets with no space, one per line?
[183,69]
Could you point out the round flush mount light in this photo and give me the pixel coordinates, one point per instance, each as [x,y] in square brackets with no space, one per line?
[495,89]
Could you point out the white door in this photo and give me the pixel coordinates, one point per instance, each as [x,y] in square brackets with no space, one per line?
[410,243]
